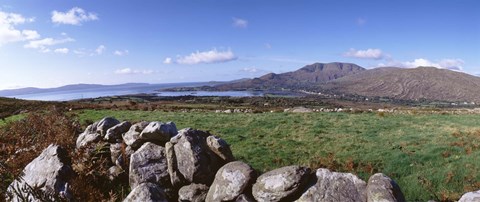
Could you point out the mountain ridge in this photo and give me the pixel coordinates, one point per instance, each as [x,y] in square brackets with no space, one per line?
[305,76]
[410,84]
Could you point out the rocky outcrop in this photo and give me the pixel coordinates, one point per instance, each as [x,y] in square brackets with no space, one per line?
[333,186]
[282,184]
[49,172]
[193,193]
[473,196]
[146,192]
[381,188]
[231,180]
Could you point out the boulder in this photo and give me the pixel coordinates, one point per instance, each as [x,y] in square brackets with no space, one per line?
[220,148]
[131,137]
[231,181]
[193,193]
[105,124]
[89,136]
[176,178]
[149,164]
[158,132]
[473,196]
[381,188]
[146,192]
[114,134]
[192,160]
[333,186]
[282,184]
[49,172]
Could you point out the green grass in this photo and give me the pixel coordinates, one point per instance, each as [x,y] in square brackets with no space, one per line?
[11,119]
[430,156]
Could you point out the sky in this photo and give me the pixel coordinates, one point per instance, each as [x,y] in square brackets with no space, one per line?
[59,42]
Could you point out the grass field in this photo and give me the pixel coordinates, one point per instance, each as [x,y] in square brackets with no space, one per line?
[430,156]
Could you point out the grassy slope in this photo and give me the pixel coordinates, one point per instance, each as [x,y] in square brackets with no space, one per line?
[430,156]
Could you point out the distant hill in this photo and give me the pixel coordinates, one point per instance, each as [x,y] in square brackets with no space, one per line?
[96,87]
[410,84]
[306,76]
[73,87]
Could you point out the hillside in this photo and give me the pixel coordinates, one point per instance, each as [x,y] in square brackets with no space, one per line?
[410,84]
[305,76]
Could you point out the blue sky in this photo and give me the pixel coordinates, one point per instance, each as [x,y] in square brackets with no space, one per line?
[59,42]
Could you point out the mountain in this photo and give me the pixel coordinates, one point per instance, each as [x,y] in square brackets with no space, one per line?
[410,84]
[306,76]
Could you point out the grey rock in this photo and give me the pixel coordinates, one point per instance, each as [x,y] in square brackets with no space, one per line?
[220,147]
[132,136]
[176,178]
[193,159]
[49,172]
[231,180]
[158,132]
[193,193]
[473,196]
[149,164]
[105,124]
[244,198]
[116,152]
[146,192]
[89,136]
[114,134]
[282,184]
[333,187]
[381,188]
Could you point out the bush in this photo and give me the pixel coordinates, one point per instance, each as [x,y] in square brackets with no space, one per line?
[22,141]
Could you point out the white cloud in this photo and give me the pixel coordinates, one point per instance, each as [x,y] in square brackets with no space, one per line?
[240,23]
[167,61]
[74,16]
[268,46]
[30,34]
[132,71]
[80,52]
[250,70]
[8,31]
[451,64]
[361,21]
[42,44]
[375,54]
[61,50]
[100,49]
[212,56]
[120,53]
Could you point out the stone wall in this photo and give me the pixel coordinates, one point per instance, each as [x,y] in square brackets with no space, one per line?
[166,164]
